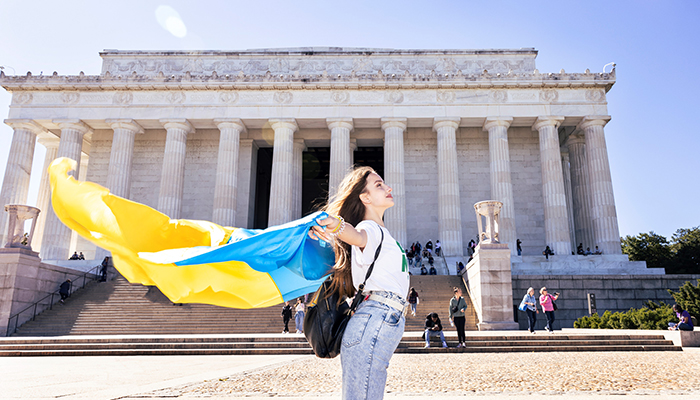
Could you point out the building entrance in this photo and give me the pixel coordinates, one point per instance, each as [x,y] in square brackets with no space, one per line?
[315,171]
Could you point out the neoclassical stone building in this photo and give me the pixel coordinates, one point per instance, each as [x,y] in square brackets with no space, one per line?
[258,137]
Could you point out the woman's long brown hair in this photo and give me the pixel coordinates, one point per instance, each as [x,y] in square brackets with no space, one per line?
[347,204]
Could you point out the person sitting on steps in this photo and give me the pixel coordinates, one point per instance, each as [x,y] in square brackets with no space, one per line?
[547,252]
[433,327]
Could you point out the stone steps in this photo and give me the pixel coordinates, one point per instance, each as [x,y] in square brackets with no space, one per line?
[118,307]
[296,344]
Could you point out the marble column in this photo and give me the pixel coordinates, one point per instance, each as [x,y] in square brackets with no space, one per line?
[395,217]
[297,176]
[57,237]
[566,167]
[173,173]
[449,208]
[603,212]
[580,191]
[15,185]
[341,154]
[51,143]
[353,148]
[556,220]
[122,153]
[501,183]
[226,189]
[281,185]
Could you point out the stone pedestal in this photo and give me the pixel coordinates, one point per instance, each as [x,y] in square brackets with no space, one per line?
[16,215]
[449,207]
[173,174]
[226,189]
[489,273]
[395,217]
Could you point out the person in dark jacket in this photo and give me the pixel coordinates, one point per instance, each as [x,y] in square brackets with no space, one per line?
[286,316]
[457,308]
[103,269]
[433,327]
[64,290]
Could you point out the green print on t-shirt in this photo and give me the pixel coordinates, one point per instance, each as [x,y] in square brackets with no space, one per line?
[404,260]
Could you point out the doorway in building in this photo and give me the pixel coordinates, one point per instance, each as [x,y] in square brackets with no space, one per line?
[262,187]
[314,184]
[370,157]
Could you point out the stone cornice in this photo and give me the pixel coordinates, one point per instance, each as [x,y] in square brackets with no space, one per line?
[269,81]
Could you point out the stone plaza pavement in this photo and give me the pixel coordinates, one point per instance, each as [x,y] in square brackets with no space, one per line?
[497,376]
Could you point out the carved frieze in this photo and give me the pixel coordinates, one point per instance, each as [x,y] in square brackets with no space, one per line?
[394,96]
[549,95]
[228,97]
[70,97]
[282,97]
[340,96]
[175,97]
[123,98]
[444,96]
[498,96]
[595,95]
[22,98]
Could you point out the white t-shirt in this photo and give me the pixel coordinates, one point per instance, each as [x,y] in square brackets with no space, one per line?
[390,272]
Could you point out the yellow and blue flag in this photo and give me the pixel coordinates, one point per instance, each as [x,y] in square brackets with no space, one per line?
[193,261]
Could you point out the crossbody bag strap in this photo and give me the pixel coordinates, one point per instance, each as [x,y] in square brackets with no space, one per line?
[358,295]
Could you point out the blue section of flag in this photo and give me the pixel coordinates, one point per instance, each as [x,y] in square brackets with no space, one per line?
[278,250]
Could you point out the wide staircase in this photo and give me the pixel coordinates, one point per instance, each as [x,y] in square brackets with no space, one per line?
[118,318]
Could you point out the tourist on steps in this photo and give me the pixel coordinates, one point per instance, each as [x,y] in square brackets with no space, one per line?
[547,304]
[300,308]
[64,290]
[530,309]
[286,316]
[355,229]
[457,308]
[413,300]
[433,327]
[547,252]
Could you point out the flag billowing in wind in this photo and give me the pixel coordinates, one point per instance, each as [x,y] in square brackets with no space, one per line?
[193,261]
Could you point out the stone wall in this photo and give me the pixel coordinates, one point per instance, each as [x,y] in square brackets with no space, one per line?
[24,280]
[612,292]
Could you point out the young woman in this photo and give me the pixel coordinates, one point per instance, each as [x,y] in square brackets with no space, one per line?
[354,228]
[300,308]
[413,300]
[531,309]
[457,308]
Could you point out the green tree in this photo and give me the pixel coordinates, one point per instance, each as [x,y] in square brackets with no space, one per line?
[685,249]
[688,297]
[649,247]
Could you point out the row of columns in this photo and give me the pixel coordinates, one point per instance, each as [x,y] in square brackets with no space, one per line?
[591,197]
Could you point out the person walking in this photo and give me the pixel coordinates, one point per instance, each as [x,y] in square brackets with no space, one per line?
[354,228]
[413,300]
[300,309]
[286,316]
[457,308]
[103,269]
[519,247]
[530,303]
[547,304]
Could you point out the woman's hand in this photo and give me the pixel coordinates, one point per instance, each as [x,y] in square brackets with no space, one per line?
[319,232]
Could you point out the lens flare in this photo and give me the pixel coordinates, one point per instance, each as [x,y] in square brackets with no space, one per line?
[170,20]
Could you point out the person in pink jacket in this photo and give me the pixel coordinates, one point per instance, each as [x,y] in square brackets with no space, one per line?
[547,303]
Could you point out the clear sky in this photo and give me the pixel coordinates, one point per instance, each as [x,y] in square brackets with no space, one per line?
[652,143]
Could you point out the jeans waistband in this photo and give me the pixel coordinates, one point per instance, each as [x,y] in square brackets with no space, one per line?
[388,295]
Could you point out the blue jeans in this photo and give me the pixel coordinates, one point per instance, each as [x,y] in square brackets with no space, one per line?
[531,319]
[413,308]
[371,337]
[429,333]
[299,321]
[550,319]
[682,326]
